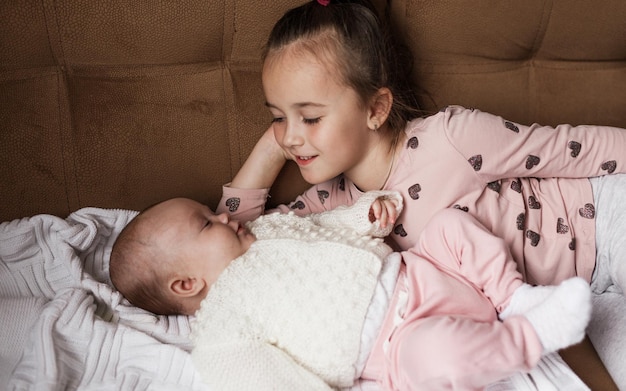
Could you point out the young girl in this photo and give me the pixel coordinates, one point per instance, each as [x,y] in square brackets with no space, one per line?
[342,112]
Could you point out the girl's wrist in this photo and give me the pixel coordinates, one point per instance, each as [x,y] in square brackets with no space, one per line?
[272,145]
[272,148]
[262,166]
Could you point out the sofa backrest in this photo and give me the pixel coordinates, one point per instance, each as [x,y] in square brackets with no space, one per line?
[532,61]
[123,104]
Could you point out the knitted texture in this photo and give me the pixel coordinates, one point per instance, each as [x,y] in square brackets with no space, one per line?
[356,217]
[15,333]
[65,328]
[292,308]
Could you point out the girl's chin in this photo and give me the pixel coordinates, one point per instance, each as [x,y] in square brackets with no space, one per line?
[315,178]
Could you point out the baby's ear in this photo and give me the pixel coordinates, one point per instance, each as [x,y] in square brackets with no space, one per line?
[187,286]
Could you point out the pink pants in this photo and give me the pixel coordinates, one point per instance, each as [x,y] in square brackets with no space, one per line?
[455,280]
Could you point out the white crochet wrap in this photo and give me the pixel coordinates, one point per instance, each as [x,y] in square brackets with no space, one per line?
[288,314]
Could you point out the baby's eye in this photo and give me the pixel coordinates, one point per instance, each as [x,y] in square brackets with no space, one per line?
[311,121]
[277,120]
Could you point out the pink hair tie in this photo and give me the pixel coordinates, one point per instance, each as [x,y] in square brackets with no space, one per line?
[324,2]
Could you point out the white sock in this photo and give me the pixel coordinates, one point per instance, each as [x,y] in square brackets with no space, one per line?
[560,320]
[525,298]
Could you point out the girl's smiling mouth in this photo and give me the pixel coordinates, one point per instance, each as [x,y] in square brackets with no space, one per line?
[304,160]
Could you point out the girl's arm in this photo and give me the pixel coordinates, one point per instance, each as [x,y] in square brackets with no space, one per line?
[498,148]
[262,166]
[248,204]
[245,197]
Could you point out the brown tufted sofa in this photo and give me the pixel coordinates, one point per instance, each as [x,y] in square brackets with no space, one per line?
[123,103]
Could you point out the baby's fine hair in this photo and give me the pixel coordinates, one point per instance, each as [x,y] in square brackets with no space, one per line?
[134,273]
[365,54]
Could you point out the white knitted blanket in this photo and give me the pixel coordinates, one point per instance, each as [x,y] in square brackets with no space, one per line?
[62,325]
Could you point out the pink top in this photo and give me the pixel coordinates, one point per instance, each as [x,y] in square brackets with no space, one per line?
[527,184]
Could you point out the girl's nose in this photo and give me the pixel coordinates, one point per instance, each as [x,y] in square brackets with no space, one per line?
[223,218]
[293,136]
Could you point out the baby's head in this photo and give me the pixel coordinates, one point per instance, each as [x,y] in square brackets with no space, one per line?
[354,45]
[166,259]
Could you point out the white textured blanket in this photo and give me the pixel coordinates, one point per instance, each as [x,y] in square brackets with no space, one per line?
[63,327]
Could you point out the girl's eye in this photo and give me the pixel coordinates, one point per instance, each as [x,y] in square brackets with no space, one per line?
[277,120]
[311,121]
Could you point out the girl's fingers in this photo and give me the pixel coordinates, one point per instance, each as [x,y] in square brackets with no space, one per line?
[383,216]
[375,211]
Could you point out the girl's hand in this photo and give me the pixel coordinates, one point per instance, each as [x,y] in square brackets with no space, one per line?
[384,211]
[263,165]
[271,144]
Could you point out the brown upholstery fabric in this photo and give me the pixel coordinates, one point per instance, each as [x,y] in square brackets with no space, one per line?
[124,103]
[530,61]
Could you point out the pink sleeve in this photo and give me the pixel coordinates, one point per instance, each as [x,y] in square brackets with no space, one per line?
[242,204]
[498,148]
[319,198]
[248,204]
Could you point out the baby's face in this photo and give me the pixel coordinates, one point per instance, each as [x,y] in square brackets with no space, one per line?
[205,242]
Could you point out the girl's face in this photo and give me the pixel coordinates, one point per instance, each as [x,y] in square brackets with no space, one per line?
[318,121]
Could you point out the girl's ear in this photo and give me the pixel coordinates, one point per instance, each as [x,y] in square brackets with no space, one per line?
[187,286]
[380,107]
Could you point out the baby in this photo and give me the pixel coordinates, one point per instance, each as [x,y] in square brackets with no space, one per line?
[316,302]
